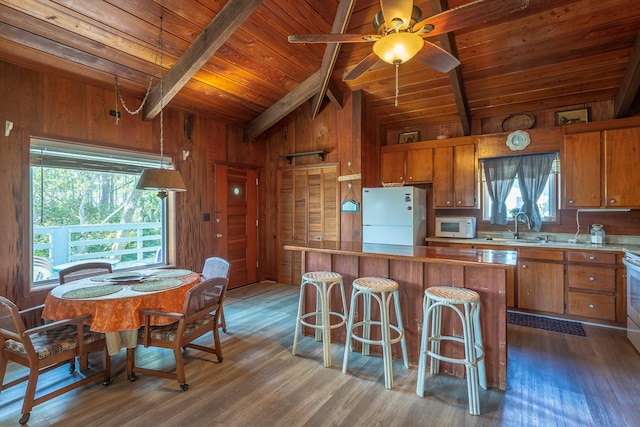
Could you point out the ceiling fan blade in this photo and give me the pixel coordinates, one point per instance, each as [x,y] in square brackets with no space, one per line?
[396,9]
[332,38]
[468,15]
[437,58]
[368,62]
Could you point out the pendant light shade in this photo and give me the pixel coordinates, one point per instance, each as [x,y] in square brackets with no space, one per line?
[162,180]
[396,48]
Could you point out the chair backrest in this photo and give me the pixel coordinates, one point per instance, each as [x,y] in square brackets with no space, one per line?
[205,297]
[11,324]
[84,270]
[215,267]
[41,268]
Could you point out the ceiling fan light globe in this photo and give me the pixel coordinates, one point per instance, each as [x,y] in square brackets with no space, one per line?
[396,48]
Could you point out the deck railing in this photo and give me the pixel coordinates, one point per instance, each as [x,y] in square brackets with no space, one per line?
[124,245]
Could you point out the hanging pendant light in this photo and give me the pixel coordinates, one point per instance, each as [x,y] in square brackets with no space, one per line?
[161,179]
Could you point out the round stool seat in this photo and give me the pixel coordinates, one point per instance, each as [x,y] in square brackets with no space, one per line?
[452,295]
[375,284]
[321,276]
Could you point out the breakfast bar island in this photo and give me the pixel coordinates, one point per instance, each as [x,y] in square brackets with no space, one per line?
[415,268]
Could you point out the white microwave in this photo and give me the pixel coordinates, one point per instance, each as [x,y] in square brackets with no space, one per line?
[460,227]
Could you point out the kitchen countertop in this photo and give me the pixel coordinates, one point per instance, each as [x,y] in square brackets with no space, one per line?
[428,254]
[556,241]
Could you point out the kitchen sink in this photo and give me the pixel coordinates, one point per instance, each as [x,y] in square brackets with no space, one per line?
[532,242]
[504,240]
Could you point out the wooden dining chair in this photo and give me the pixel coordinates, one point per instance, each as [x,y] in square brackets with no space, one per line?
[200,314]
[84,270]
[217,267]
[44,348]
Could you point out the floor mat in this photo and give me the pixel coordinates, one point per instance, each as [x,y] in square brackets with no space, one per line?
[540,322]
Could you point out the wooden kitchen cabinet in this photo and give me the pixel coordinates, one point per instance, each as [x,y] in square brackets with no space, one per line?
[622,174]
[455,183]
[392,166]
[409,164]
[592,285]
[581,170]
[540,281]
[600,169]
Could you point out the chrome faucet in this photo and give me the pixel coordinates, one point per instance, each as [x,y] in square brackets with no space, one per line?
[516,233]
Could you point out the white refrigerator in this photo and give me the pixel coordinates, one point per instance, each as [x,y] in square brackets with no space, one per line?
[394,216]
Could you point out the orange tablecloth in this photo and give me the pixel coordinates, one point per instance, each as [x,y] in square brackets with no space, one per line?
[119,311]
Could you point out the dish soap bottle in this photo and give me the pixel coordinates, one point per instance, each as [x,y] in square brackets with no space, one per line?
[597,234]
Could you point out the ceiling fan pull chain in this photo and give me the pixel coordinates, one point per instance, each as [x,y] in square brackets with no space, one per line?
[397,64]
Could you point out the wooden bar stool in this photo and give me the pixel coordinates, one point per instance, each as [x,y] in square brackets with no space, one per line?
[382,290]
[323,281]
[466,304]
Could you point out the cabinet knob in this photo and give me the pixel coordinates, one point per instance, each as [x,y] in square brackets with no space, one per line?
[592,278]
[459,202]
[571,201]
[524,265]
[591,306]
[612,201]
[410,178]
[592,257]
[448,202]
[218,235]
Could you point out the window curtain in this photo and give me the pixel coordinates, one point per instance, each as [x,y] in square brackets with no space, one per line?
[533,174]
[500,174]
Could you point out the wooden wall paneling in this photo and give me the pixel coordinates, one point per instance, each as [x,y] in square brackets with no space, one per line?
[542,141]
[20,103]
[284,232]
[101,126]
[197,174]
[65,108]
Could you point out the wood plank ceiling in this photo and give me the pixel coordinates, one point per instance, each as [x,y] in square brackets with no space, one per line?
[230,59]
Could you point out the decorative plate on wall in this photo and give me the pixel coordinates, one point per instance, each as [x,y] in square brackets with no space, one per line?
[518,121]
[518,140]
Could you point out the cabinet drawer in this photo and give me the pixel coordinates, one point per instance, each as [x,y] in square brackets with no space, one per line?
[542,254]
[595,257]
[592,305]
[592,278]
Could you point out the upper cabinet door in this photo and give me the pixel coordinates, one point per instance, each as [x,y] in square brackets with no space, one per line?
[622,174]
[392,169]
[419,165]
[581,170]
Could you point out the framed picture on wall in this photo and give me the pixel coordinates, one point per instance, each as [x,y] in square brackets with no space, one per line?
[572,117]
[407,137]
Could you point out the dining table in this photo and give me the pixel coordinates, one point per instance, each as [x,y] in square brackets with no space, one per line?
[113,301]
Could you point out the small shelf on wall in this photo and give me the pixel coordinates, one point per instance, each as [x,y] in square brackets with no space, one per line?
[319,153]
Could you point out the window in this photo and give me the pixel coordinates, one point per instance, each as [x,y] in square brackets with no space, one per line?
[547,202]
[84,206]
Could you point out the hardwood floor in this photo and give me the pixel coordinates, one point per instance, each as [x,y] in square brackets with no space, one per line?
[554,379]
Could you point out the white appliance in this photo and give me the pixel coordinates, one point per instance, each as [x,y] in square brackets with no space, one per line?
[632,261]
[460,227]
[394,216]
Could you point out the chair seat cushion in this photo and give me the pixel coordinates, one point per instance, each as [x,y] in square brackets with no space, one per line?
[169,332]
[49,343]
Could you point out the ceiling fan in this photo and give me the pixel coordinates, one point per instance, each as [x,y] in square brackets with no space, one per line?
[401,32]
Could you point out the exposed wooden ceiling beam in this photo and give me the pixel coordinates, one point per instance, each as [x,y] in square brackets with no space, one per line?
[284,106]
[630,83]
[340,24]
[230,17]
[448,43]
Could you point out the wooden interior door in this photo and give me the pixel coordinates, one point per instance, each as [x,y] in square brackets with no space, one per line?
[235,221]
